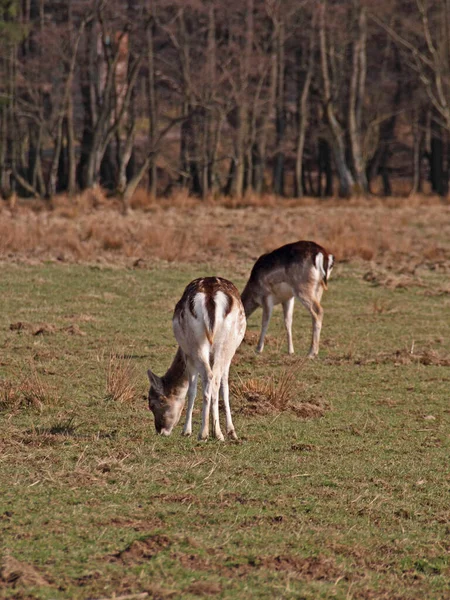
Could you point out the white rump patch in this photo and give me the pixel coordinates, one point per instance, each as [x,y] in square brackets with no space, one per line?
[330,264]
[319,264]
[199,306]
[199,324]
[221,301]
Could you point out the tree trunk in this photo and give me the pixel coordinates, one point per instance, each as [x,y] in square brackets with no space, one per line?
[243,110]
[11,110]
[152,100]
[437,178]
[418,150]
[302,115]
[346,181]
[260,149]
[325,169]
[208,159]
[280,117]
[356,101]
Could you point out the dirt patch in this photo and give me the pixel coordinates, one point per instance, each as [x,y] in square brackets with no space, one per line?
[135,524]
[15,573]
[313,568]
[408,357]
[72,330]
[194,562]
[392,281]
[204,588]
[311,410]
[177,498]
[44,328]
[33,328]
[398,357]
[142,550]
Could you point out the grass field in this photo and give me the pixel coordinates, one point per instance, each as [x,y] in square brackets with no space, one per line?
[347,501]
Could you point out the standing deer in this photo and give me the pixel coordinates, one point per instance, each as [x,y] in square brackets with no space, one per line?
[209,324]
[299,270]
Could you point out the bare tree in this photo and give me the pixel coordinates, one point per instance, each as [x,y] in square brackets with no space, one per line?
[337,133]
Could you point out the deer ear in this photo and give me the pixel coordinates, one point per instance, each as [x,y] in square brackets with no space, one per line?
[155,382]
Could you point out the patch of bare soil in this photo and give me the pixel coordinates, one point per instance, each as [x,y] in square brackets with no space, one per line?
[44,328]
[204,588]
[311,410]
[397,357]
[194,562]
[135,524]
[142,550]
[177,498]
[34,329]
[312,568]
[15,573]
[405,357]
[392,280]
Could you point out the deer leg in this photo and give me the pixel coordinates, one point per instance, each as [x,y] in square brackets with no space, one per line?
[267,308]
[226,402]
[317,317]
[192,392]
[208,385]
[288,311]
[207,378]
[316,312]
[207,391]
[215,411]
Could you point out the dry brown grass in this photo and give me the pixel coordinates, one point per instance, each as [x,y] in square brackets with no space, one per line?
[262,396]
[121,379]
[30,392]
[397,234]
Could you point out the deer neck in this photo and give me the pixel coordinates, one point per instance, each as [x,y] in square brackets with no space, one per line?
[177,377]
[248,299]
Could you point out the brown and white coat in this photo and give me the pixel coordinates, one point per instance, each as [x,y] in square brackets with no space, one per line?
[209,325]
[300,270]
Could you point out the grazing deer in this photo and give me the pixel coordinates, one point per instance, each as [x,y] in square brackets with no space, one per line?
[209,324]
[299,270]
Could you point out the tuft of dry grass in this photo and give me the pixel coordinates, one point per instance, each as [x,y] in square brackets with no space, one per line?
[262,396]
[9,396]
[31,392]
[121,379]
[266,395]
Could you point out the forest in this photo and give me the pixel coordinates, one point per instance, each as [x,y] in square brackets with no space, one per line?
[284,97]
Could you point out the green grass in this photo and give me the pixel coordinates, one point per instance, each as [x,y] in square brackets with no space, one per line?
[351,505]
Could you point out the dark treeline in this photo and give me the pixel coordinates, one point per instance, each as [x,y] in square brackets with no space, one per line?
[291,97]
